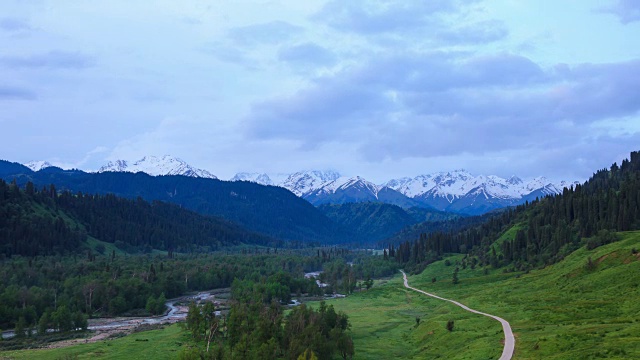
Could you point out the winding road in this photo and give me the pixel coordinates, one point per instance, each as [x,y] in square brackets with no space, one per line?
[509,339]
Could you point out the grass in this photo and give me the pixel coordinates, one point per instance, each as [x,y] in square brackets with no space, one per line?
[92,243]
[165,343]
[564,311]
[508,235]
[384,326]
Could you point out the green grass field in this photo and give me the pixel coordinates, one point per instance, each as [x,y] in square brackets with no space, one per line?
[564,311]
[165,343]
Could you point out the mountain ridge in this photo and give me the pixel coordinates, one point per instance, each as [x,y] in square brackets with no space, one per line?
[456,191]
[155,166]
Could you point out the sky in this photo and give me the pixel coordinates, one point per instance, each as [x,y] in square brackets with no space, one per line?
[382,89]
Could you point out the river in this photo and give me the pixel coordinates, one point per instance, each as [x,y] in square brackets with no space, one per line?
[175,313]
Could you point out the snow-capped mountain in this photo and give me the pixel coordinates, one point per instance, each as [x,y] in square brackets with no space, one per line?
[38,165]
[299,183]
[343,190]
[258,178]
[356,189]
[459,191]
[303,182]
[155,166]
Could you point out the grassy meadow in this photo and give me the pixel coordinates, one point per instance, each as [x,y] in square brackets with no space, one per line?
[564,311]
[159,344]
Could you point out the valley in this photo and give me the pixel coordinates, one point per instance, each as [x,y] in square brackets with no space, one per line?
[320,180]
[558,273]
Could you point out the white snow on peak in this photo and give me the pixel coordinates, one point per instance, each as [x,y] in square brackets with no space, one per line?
[116,166]
[38,165]
[155,166]
[458,183]
[259,178]
[397,183]
[514,180]
[303,182]
[299,183]
[344,183]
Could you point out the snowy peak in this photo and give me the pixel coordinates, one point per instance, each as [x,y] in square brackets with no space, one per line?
[460,183]
[514,180]
[155,166]
[346,183]
[397,183]
[299,183]
[303,182]
[116,166]
[38,165]
[258,178]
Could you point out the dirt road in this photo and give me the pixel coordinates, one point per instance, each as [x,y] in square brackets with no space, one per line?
[509,339]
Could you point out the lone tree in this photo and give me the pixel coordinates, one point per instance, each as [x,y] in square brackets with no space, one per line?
[455,276]
[368,283]
[450,325]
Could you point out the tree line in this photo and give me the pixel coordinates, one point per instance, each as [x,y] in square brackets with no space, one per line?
[46,221]
[256,328]
[545,230]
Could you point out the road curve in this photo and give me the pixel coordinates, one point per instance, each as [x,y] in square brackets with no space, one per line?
[509,342]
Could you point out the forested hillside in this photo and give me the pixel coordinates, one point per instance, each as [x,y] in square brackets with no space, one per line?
[371,222]
[44,222]
[544,231]
[267,209]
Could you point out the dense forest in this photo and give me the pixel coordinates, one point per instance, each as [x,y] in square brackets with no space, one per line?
[256,327]
[44,222]
[121,284]
[545,230]
[370,222]
[266,209]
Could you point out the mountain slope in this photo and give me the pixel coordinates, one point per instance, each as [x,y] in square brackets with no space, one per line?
[154,165]
[270,210]
[544,231]
[303,182]
[258,178]
[459,191]
[565,311]
[43,222]
[38,165]
[373,221]
[356,189]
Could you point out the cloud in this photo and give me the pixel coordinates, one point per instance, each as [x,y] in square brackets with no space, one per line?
[246,45]
[307,54]
[13,25]
[80,164]
[50,60]
[476,33]
[447,104]
[370,17]
[274,32]
[317,114]
[627,11]
[14,93]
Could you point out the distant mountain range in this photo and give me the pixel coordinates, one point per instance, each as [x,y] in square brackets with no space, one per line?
[38,165]
[269,210]
[154,165]
[455,191]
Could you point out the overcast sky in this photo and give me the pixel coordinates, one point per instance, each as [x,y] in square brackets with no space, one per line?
[381,89]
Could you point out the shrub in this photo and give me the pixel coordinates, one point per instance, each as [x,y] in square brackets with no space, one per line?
[450,325]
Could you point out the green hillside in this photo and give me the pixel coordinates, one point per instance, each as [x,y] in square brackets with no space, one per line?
[569,310]
[268,210]
[44,222]
[372,221]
